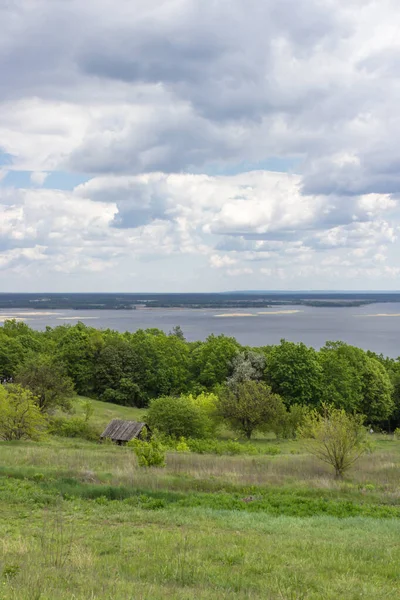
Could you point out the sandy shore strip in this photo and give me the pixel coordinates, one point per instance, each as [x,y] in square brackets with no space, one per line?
[280,312]
[224,315]
[4,318]
[75,318]
[381,315]
[35,313]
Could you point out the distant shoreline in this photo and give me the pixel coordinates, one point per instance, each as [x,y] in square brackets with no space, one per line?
[235,301]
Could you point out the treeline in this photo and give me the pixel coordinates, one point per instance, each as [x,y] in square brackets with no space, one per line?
[133,368]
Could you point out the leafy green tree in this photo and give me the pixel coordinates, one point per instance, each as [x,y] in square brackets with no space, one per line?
[78,347]
[17,343]
[294,372]
[356,381]
[394,374]
[163,363]
[118,372]
[250,406]
[20,416]
[335,437]
[377,404]
[288,424]
[12,356]
[48,382]
[116,359]
[392,368]
[127,393]
[207,403]
[212,360]
[177,417]
[342,369]
[29,339]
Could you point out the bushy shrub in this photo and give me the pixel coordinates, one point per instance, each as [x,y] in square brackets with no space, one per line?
[74,427]
[335,437]
[182,445]
[177,417]
[219,447]
[290,421]
[20,416]
[397,433]
[207,403]
[149,453]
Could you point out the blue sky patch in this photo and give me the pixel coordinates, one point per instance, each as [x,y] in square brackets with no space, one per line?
[56,180]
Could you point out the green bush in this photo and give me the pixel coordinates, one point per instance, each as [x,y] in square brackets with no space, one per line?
[397,433]
[20,416]
[288,424]
[177,417]
[74,427]
[207,404]
[335,437]
[149,453]
[182,445]
[219,447]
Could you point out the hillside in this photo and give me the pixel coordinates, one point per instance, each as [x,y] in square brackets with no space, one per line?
[80,520]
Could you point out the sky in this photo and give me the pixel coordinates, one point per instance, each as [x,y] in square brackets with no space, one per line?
[199,145]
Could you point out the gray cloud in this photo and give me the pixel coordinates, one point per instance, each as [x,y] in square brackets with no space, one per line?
[141,95]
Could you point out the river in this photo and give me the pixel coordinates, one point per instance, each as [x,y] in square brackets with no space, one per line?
[374,327]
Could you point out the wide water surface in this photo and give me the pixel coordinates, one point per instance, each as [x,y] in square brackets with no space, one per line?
[374,327]
[365,326]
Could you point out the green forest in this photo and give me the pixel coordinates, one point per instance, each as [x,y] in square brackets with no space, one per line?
[132,369]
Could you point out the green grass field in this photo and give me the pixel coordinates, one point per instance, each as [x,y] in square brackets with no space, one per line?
[80,520]
[104,411]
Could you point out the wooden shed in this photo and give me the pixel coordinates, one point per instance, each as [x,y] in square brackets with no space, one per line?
[121,432]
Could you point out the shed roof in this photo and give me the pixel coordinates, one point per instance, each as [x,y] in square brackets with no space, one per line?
[122,431]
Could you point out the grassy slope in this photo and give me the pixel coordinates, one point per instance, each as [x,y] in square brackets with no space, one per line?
[80,521]
[104,412]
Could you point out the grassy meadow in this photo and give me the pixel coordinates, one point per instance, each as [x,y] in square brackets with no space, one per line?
[80,520]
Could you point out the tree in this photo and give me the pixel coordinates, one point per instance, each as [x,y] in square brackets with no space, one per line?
[342,368]
[48,382]
[377,403]
[289,423]
[118,372]
[394,375]
[163,363]
[127,393]
[17,343]
[20,416]
[12,355]
[177,417]
[78,347]
[207,404]
[355,381]
[250,406]
[294,372]
[245,366]
[335,437]
[212,360]
[117,359]
[178,332]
